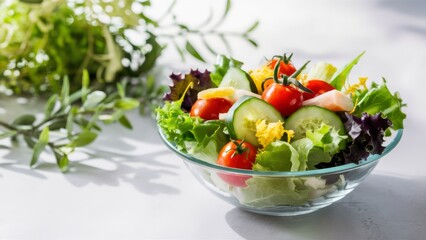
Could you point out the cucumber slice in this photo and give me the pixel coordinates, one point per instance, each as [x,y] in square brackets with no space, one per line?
[238,79]
[243,115]
[311,117]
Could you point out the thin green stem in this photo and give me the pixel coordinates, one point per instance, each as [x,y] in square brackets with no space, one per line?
[8,126]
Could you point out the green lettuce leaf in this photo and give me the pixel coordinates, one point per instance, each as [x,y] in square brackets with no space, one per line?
[270,192]
[340,79]
[277,156]
[222,65]
[309,155]
[327,138]
[176,124]
[378,99]
[210,138]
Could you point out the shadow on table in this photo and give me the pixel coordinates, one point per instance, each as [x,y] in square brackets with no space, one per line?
[115,158]
[378,209]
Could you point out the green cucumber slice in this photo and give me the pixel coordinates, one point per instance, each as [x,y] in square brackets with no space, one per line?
[238,79]
[243,115]
[311,117]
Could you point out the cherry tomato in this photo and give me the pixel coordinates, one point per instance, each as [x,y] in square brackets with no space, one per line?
[236,154]
[318,87]
[285,68]
[210,108]
[285,98]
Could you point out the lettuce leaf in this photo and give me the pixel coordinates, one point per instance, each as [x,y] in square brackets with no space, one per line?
[176,124]
[277,156]
[378,99]
[270,192]
[367,137]
[222,65]
[339,81]
[309,154]
[200,81]
[327,138]
[210,138]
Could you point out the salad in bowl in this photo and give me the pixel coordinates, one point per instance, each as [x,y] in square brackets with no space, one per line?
[277,139]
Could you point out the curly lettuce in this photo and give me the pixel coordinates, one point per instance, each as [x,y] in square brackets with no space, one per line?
[378,99]
[199,81]
[367,137]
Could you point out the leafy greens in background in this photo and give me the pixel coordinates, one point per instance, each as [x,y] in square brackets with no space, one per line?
[73,117]
[45,40]
[80,55]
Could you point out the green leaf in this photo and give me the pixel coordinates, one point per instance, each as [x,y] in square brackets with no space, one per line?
[62,161]
[111,118]
[339,81]
[277,156]
[76,96]
[191,50]
[120,90]
[227,8]
[379,99]
[85,79]
[254,43]
[31,1]
[151,56]
[65,92]
[40,146]
[150,83]
[94,119]
[70,120]
[93,99]
[221,67]
[24,120]
[8,134]
[84,123]
[252,27]
[124,121]
[85,85]
[179,50]
[58,124]
[50,106]
[127,103]
[84,138]
[29,141]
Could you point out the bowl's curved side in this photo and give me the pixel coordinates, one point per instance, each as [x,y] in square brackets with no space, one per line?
[281,195]
[392,143]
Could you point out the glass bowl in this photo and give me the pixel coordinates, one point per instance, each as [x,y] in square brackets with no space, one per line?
[282,193]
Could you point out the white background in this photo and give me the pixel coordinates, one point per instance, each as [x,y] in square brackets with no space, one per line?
[133,187]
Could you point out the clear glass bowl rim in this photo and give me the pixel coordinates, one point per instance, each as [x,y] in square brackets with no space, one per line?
[396,137]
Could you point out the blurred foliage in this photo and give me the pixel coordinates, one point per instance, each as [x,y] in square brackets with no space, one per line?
[92,60]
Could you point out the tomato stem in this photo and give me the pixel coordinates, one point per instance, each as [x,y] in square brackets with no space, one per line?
[287,80]
[239,149]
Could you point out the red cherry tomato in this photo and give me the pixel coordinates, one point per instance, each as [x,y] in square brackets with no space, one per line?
[236,154]
[285,98]
[210,108]
[318,87]
[285,68]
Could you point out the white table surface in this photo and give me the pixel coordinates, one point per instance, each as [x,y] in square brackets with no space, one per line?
[133,187]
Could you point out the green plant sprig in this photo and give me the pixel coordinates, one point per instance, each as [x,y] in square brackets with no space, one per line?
[207,29]
[70,121]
